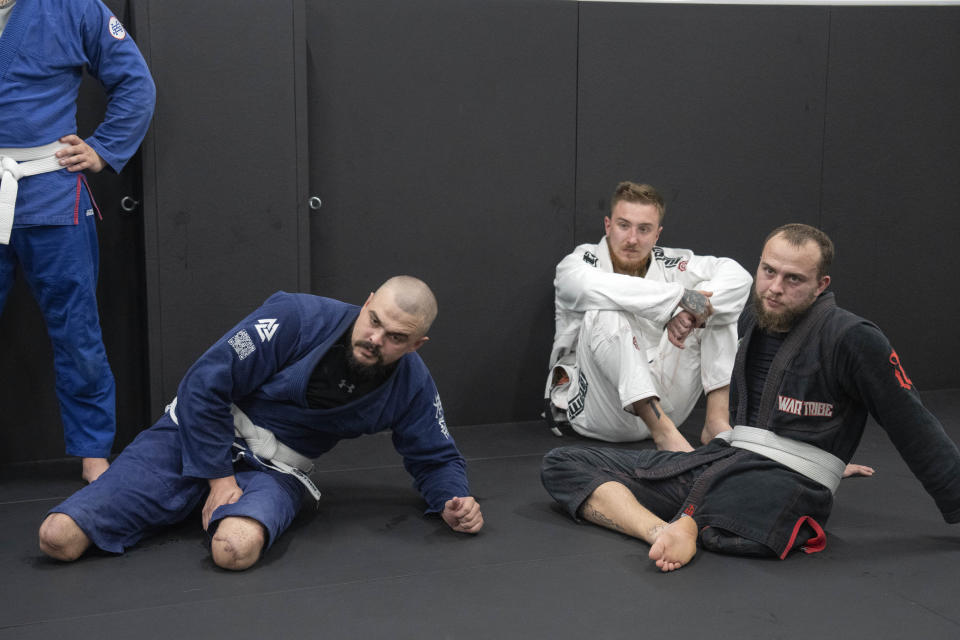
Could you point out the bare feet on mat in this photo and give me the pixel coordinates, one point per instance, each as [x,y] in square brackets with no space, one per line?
[93,467]
[676,544]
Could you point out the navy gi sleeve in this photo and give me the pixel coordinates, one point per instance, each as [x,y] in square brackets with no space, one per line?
[429,452]
[237,364]
[114,59]
[871,368]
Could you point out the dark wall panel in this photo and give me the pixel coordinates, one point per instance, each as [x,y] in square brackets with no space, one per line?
[442,145]
[225,172]
[748,117]
[719,107]
[892,165]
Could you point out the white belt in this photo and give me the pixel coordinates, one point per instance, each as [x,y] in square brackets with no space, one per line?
[813,462]
[263,444]
[15,164]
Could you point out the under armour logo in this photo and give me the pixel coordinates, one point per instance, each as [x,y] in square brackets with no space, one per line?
[346,385]
[266,327]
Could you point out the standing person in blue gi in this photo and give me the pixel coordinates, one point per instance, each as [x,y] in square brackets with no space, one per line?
[47,225]
[642,331]
[806,375]
[285,385]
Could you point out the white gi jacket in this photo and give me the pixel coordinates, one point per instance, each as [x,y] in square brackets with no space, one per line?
[585,280]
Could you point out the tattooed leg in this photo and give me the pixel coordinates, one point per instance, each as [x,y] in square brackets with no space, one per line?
[613,506]
[664,433]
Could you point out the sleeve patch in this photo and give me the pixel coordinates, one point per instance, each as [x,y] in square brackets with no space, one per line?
[116,29]
[242,344]
[441,420]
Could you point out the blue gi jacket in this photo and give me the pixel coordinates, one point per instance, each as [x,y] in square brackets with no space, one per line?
[263,366]
[43,51]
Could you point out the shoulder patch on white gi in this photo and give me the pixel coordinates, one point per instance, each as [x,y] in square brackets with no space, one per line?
[590,258]
[266,327]
[670,262]
[441,420]
[116,29]
[242,344]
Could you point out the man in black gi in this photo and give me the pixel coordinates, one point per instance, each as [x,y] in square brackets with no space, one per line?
[806,374]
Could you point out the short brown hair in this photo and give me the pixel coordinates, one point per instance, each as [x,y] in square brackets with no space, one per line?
[799,234]
[638,193]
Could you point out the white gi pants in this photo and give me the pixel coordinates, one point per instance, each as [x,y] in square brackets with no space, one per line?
[616,366]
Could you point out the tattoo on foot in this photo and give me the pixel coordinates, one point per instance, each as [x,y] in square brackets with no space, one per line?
[656,530]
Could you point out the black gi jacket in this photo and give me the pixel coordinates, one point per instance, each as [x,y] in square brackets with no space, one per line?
[832,369]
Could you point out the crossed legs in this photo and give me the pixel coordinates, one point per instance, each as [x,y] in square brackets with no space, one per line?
[602,486]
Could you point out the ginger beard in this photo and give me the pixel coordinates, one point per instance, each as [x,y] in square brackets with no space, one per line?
[779,321]
[636,268]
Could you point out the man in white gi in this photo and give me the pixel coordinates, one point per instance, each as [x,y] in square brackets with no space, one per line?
[642,330]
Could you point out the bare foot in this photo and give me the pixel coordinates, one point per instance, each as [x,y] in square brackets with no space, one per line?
[93,467]
[711,429]
[676,544]
[670,440]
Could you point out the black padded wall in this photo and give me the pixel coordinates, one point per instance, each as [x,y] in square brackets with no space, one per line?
[474,142]
[720,107]
[224,171]
[441,143]
[748,117]
[891,170]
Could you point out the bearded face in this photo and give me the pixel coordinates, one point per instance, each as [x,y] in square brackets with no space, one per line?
[787,283]
[779,321]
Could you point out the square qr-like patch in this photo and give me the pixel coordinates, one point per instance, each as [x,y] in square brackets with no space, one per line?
[242,344]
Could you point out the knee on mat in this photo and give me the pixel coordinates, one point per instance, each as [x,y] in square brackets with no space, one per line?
[61,538]
[237,543]
[552,461]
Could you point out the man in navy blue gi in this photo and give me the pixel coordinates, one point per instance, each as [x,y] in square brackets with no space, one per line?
[285,385]
[47,225]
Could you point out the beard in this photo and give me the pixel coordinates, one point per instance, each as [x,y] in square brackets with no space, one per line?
[778,322]
[360,371]
[638,268]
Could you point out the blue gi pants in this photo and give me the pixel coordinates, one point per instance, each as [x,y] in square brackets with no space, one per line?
[144,490]
[60,264]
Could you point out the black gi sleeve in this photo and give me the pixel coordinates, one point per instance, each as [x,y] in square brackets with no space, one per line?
[870,369]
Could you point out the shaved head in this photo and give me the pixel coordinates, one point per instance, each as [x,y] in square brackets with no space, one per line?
[412,296]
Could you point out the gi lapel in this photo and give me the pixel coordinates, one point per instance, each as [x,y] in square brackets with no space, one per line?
[13,35]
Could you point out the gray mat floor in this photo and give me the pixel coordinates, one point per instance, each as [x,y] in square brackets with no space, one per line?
[365,563]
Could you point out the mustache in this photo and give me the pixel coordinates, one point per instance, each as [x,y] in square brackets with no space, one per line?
[369,346]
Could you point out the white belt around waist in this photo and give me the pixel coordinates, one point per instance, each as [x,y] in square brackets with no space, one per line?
[264,445]
[16,164]
[813,462]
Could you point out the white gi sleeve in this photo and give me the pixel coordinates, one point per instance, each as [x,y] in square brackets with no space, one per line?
[581,286]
